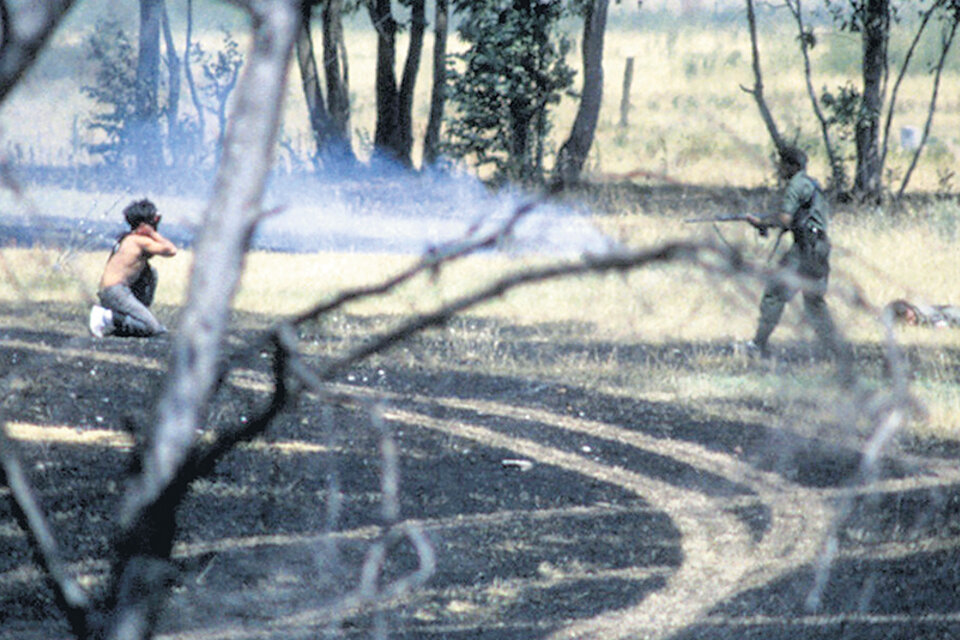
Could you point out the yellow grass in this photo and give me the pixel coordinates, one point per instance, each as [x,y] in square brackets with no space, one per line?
[882,261]
[658,305]
[690,119]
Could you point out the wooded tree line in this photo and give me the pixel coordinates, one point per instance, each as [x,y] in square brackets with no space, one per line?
[490,103]
[868,109]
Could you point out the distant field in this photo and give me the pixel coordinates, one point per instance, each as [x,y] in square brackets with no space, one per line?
[690,120]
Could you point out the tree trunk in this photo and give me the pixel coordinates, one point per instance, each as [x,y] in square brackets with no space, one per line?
[757,90]
[838,178]
[409,80]
[172,109]
[876,28]
[944,51]
[431,141]
[573,153]
[199,144]
[387,138]
[625,94]
[310,81]
[145,134]
[337,74]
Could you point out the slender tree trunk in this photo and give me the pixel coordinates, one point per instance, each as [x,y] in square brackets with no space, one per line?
[337,74]
[145,134]
[625,106]
[387,137]
[199,144]
[172,110]
[144,572]
[757,90]
[837,176]
[876,23]
[409,80]
[892,103]
[310,82]
[573,153]
[945,49]
[431,141]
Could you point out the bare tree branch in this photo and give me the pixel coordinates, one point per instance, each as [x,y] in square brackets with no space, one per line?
[26,28]
[924,21]
[142,574]
[74,599]
[227,226]
[757,90]
[946,45]
[836,166]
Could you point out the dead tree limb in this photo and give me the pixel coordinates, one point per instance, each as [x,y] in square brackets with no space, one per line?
[72,597]
[924,21]
[946,45]
[757,90]
[153,493]
[805,37]
[26,28]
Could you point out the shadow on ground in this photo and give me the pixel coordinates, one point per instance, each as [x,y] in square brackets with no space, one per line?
[281,528]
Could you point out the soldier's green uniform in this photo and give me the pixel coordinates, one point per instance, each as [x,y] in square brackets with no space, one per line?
[808,212]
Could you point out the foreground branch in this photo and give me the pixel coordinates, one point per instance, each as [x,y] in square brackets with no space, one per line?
[26,27]
[71,595]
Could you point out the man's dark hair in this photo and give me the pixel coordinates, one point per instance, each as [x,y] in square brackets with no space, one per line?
[793,156]
[141,211]
[901,310]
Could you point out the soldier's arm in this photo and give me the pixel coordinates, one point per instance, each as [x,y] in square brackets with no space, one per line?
[799,192]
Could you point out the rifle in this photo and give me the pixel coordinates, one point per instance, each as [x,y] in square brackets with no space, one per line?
[732,217]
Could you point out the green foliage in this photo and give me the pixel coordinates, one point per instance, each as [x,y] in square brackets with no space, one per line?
[841,109]
[221,69]
[113,89]
[511,73]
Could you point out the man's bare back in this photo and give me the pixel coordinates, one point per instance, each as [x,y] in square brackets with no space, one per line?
[129,282]
[130,258]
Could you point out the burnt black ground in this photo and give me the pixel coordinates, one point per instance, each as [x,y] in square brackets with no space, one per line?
[264,548]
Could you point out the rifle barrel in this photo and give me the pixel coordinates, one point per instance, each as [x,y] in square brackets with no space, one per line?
[729,218]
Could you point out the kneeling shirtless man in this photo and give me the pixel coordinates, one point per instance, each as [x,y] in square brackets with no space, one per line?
[129,281]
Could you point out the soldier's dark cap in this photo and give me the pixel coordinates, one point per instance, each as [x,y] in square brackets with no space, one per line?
[794,156]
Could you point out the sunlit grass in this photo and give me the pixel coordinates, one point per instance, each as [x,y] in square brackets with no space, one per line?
[690,119]
[661,305]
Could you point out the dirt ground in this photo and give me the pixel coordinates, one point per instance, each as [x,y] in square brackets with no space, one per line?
[553,511]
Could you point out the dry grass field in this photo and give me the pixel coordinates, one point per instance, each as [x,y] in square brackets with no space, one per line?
[589,457]
[690,120]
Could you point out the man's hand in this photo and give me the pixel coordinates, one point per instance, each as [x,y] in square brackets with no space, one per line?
[758,223]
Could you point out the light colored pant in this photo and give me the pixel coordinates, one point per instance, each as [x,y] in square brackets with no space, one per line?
[130,306]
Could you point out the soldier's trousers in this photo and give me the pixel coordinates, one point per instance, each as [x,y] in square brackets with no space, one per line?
[784,286]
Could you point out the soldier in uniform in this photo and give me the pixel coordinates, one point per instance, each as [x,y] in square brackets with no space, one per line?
[806,265]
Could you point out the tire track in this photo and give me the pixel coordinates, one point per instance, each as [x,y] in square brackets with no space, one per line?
[720,557]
